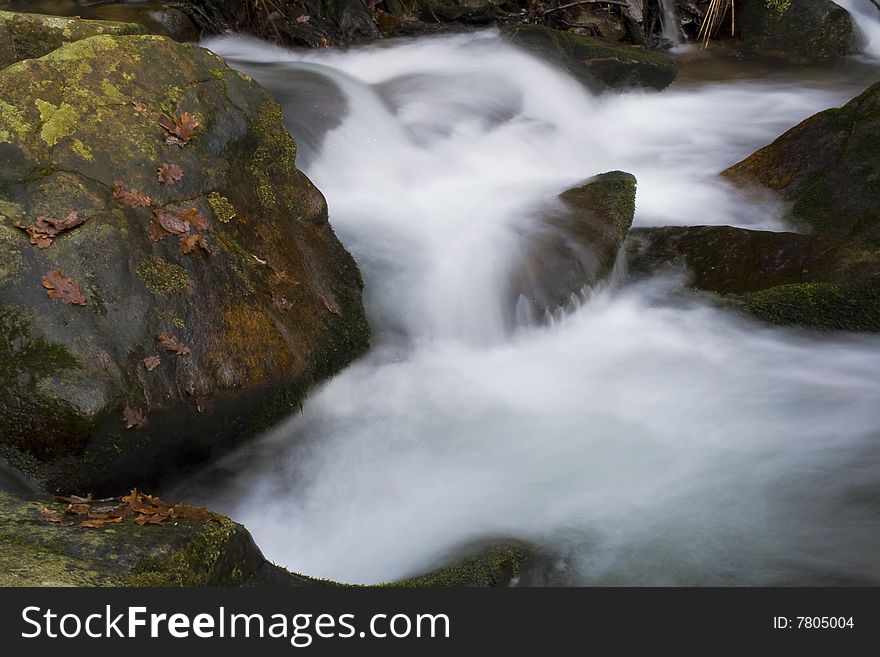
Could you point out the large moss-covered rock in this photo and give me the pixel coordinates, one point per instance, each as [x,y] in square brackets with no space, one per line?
[797,29]
[818,282]
[23,36]
[575,244]
[828,168]
[598,64]
[273,307]
[206,551]
[185,552]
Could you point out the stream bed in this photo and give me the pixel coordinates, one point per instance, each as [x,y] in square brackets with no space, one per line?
[646,438]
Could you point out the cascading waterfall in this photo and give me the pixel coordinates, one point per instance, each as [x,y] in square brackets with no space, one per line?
[649,438]
[866,16]
[669,22]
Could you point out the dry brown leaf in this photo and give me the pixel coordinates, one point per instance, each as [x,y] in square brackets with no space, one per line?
[189,243]
[130,197]
[95,523]
[134,418]
[171,222]
[55,516]
[194,217]
[169,174]
[59,286]
[139,108]
[79,509]
[173,344]
[45,229]
[181,128]
[152,362]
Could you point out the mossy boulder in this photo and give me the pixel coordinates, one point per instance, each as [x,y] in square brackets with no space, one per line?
[574,245]
[208,551]
[598,64]
[24,36]
[271,308]
[797,29]
[183,552]
[827,168]
[818,282]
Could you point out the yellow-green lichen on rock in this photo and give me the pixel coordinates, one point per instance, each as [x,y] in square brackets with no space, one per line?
[182,552]
[25,36]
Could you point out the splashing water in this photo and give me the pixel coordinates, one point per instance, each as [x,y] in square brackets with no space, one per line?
[646,439]
[866,16]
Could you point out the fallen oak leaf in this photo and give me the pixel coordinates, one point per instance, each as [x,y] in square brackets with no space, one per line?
[80,509]
[172,222]
[131,198]
[181,128]
[173,344]
[55,516]
[152,362]
[134,418]
[95,523]
[45,229]
[59,286]
[169,174]
[193,217]
[189,243]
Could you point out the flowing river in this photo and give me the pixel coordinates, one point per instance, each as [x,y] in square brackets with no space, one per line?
[648,437]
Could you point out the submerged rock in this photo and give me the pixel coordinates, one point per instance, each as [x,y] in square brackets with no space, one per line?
[828,168]
[575,245]
[598,64]
[495,564]
[797,29]
[174,356]
[813,281]
[24,36]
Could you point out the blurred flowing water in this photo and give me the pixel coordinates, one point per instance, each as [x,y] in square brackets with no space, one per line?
[647,437]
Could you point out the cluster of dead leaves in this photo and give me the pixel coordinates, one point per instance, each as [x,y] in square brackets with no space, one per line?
[182,224]
[181,128]
[145,509]
[59,286]
[45,229]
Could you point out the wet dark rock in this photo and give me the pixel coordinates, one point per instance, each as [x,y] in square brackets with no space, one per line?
[598,64]
[799,29]
[827,168]
[819,282]
[575,245]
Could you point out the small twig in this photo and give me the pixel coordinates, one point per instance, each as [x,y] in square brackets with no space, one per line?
[586,2]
